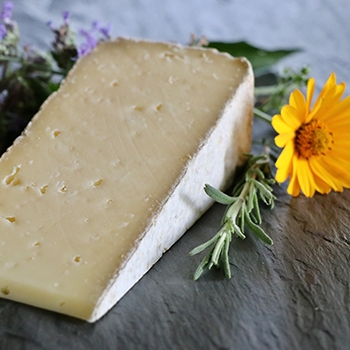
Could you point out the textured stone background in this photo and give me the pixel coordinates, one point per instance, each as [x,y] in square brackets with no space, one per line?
[293,295]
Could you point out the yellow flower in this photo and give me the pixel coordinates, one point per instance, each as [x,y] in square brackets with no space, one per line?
[316,140]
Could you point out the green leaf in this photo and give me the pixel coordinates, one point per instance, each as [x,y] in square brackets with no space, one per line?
[202,266]
[225,258]
[218,249]
[204,246]
[218,196]
[257,230]
[259,58]
[237,230]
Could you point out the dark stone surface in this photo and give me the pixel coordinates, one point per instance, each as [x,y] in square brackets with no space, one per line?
[293,295]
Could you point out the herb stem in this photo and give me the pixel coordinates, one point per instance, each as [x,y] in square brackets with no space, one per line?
[262,115]
[45,69]
[243,210]
[266,90]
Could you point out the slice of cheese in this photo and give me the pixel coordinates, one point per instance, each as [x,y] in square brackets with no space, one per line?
[110,172]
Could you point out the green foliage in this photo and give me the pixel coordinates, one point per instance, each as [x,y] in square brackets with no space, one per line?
[259,58]
[29,76]
[273,97]
[253,185]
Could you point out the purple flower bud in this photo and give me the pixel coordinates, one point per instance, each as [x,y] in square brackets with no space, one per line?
[50,25]
[66,16]
[3,31]
[84,49]
[88,45]
[96,25]
[6,12]
[92,37]
[105,31]
[88,37]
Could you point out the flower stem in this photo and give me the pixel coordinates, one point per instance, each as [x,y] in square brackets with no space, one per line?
[262,115]
[266,90]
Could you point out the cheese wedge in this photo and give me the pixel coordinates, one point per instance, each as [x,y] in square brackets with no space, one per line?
[110,172]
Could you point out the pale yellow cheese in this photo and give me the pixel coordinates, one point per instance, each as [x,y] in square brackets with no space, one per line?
[110,172]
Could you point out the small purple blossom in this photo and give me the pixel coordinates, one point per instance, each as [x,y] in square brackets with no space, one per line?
[6,12]
[3,31]
[50,25]
[66,16]
[95,25]
[84,49]
[105,31]
[91,37]
[88,45]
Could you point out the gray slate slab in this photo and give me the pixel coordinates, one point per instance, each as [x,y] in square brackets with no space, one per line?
[293,295]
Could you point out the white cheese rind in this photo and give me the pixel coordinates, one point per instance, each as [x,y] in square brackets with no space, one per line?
[110,172]
[214,163]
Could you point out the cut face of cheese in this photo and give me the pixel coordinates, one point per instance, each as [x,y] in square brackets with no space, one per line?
[110,172]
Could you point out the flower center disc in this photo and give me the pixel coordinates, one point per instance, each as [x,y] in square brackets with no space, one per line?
[313,139]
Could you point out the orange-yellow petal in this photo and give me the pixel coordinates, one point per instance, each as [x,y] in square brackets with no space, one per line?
[279,124]
[297,100]
[328,86]
[322,170]
[320,185]
[282,139]
[305,177]
[329,100]
[340,111]
[309,93]
[284,163]
[291,116]
[337,169]
[294,188]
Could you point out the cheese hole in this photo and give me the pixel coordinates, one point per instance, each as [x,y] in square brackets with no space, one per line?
[63,189]
[16,182]
[77,259]
[159,106]
[5,290]
[55,133]
[43,189]
[11,177]
[114,83]
[11,219]
[138,108]
[37,244]
[97,182]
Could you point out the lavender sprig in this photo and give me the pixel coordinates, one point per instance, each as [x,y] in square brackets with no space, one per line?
[28,75]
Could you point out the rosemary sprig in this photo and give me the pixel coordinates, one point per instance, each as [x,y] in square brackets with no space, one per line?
[242,211]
